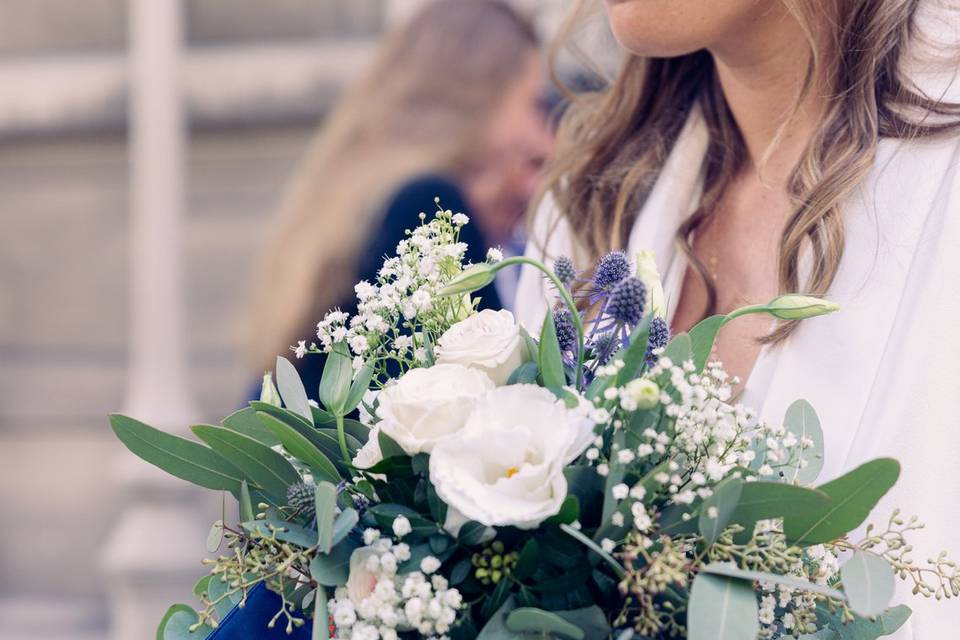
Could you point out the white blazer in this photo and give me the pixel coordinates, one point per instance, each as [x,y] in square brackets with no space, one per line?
[884,372]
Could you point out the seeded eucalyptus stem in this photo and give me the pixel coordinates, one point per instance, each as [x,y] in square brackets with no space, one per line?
[564,295]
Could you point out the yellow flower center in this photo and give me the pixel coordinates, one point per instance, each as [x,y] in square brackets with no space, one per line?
[512,471]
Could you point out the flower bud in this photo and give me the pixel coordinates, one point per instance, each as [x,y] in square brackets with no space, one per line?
[471,279]
[644,392]
[650,276]
[798,307]
[268,391]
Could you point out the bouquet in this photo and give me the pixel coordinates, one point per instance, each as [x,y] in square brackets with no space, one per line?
[462,479]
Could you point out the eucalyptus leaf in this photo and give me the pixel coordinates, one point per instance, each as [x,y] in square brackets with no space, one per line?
[176,623]
[344,524]
[291,389]
[591,620]
[258,463]
[217,592]
[302,449]
[885,624]
[185,459]
[543,623]
[868,581]
[496,627]
[717,509]
[286,531]
[550,360]
[852,495]
[730,571]
[802,421]
[215,537]
[526,373]
[325,497]
[722,608]
[332,569]
[474,533]
[321,631]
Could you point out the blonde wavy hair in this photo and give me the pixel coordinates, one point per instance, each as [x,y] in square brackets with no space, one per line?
[612,143]
[420,108]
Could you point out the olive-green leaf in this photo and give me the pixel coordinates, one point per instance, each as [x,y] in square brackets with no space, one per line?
[702,337]
[543,623]
[764,500]
[802,421]
[302,449]
[245,421]
[550,360]
[852,497]
[722,608]
[185,459]
[291,389]
[359,386]
[868,581]
[246,503]
[258,463]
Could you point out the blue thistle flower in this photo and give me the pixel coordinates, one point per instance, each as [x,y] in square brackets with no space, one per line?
[604,346]
[611,269]
[659,338]
[566,332]
[564,270]
[300,498]
[659,333]
[627,300]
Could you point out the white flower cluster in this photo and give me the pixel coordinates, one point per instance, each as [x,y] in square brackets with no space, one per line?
[405,291]
[793,610]
[378,603]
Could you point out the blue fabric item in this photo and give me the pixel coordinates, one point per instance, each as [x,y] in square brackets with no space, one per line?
[250,623]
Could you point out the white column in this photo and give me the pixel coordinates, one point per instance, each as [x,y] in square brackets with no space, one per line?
[153,554]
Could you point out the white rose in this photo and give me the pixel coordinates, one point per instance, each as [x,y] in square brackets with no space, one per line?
[425,406]
[489,341]
[369,454]
[650,276]
[505,468]
[361,581]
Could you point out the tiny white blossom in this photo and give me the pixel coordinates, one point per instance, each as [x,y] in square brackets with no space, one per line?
[607,545]
[429,565]
[301,349]
[620,491]
[494,254]
[401,526]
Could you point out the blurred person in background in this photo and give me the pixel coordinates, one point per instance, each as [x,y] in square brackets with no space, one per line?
[451,108]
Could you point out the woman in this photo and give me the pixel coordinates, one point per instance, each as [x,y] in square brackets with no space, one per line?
[765,146]
[450,108]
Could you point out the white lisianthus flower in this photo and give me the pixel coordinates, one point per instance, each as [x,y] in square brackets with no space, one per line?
[648,273]
[426,405]
[505,467]
[489,341]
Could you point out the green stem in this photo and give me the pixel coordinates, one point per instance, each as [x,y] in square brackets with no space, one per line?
[567,300]
[342,438]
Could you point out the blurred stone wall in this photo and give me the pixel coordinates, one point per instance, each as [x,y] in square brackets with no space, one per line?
[64,251]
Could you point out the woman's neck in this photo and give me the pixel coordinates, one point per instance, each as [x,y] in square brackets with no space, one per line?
[761,72]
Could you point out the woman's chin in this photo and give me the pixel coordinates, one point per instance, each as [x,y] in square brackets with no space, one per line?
[650,28]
